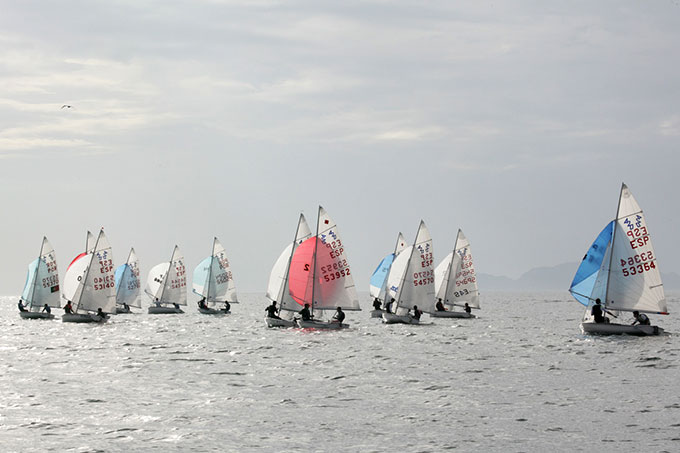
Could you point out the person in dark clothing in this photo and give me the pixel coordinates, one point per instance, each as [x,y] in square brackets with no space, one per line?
[176,306]
[126,307]
[440,305]
[100,313]
[21,305]
[272,310]
[468,310]
[388,306]
[201,304]
[227,306]
[339,316]
[416,312]
[596,311]
[68,308]
[305,313]
[640,318]
[376,304]
[47,309]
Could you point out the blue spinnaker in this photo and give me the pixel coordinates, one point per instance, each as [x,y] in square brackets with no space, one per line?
[200,283]
[29,287]
[379,276]
[118,275]
[586,275]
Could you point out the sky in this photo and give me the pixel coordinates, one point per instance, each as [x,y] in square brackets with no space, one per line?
[514,121]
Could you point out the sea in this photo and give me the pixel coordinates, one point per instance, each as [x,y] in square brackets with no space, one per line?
[519,378]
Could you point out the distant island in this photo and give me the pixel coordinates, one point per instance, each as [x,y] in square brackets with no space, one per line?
[551,278]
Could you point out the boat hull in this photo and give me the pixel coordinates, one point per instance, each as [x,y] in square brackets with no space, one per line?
[122,311]
[391,318]
[213,311]
[327,325]
[377,313]
[164,310]
[273,322]
[619,329]
[451,314]
[83,318]
[35,315]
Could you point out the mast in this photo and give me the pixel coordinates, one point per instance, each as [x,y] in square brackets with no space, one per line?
[165,277]
[208,277]
[87,272]
[316,243]
[408,264]
[448,280]
[611,252]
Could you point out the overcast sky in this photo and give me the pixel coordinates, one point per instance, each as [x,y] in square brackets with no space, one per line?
[515,121]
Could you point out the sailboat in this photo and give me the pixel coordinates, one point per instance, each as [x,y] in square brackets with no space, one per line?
[166,285]
[411,280]
[320,274]
[277,288]
[128,285]
[89,283]
[378,282]
[620,269]
[214,282]
[456,282]
[42,284]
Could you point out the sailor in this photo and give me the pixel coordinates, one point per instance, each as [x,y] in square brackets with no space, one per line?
[388,305]
[68,308]
[468,310]
[100,313]
[21,305]
[440,305]
[376,304]
[227,306]
[305,313]
[157,302]
[201,304]
[596,311]
[339,316]
[126,306]
[176,306]
[271,311]
[640,318]
[46,309]
[416,312]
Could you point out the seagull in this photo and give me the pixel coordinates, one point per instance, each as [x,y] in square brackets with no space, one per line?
[65,106]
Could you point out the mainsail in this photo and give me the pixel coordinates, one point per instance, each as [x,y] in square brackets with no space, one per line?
[127,282]
[42,281]
[417,283]
[96,288]
[455,277]
[167,281]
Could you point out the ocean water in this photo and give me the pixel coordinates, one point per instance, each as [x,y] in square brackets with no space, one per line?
[521,377]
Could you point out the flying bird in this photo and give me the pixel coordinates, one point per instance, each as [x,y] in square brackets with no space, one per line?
[65,106]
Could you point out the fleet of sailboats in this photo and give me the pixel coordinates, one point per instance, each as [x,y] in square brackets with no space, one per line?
[312,277]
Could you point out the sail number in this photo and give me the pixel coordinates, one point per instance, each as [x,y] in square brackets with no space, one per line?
[638,264]
[423,278]
[426,260]
[639,237]
[466,280]
[461,293]
[335,271]
[105,266]
[52,266]
[50,281]
[101,283]
[224,277]
[336,248]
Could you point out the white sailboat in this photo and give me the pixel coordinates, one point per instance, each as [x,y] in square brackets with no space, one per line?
[411,280]
[320,275]
[214,282]
[128,284]
[620,269]
[456,281]
[89,283]
[378,283]
[277,288]
[42,284]
[166,285]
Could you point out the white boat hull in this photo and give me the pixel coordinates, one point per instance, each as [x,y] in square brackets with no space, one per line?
[273,322]
[451,314]
[82,318]
[619,329]
[122,311]
[391,318]
[328,325]
[35,315]
[213,311]
[377,313]
[164,310]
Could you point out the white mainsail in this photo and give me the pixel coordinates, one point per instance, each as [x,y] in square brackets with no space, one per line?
[96,288]
[634,281]
[277,288]
[213,278]
[417,284]
[455,277]
[42,282]
[127,282]
[90,242]
[396,275]
[167,281]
